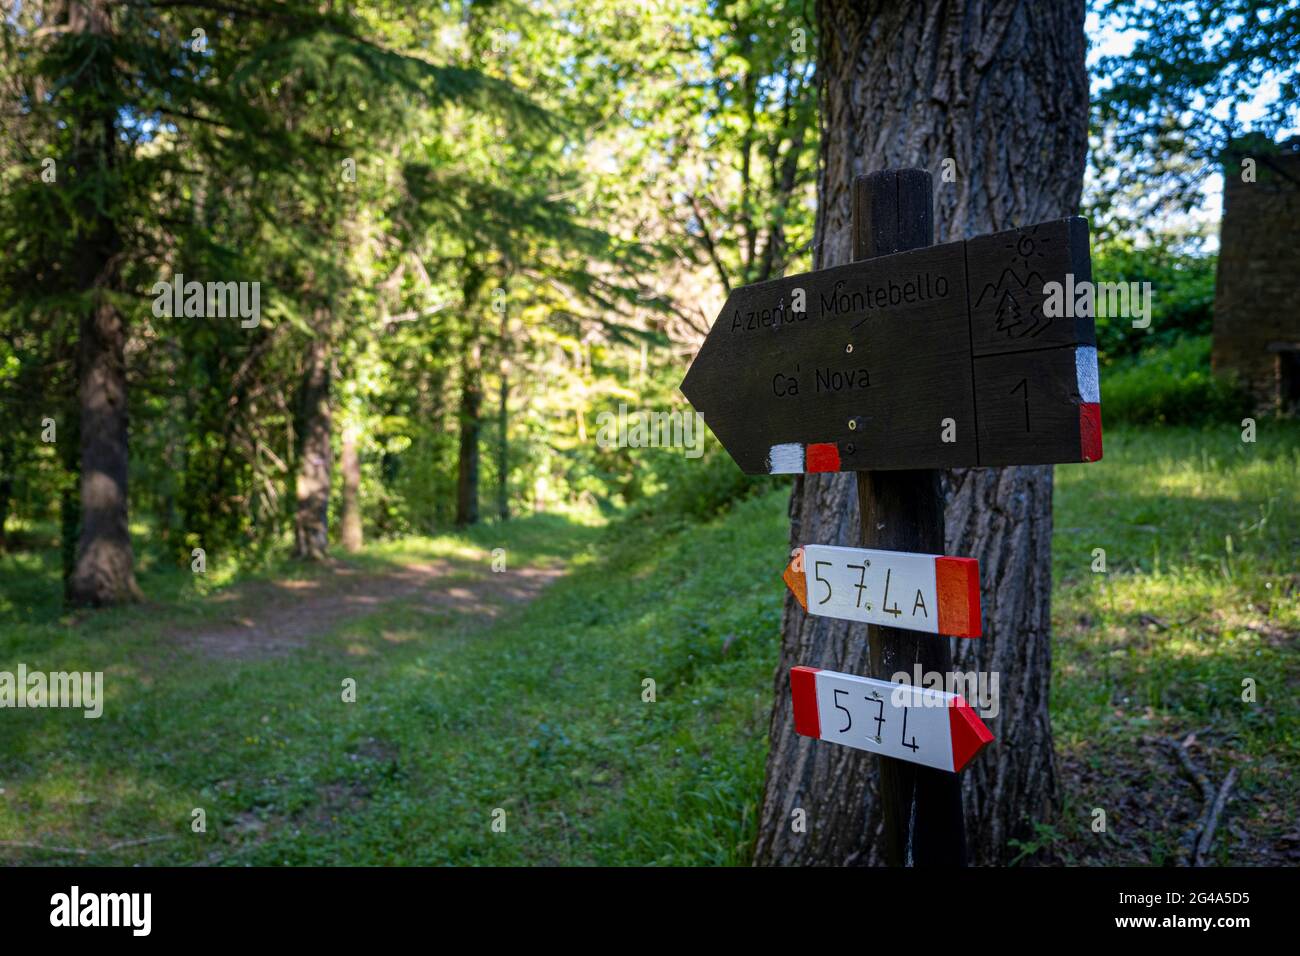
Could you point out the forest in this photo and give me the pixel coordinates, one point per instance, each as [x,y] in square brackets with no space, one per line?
[341,341]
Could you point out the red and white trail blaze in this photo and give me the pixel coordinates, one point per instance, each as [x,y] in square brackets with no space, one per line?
[917,592]
[933,728]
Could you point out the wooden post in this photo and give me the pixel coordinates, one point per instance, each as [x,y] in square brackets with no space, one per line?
[893,211]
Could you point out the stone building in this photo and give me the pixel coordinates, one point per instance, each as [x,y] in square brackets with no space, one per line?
[1257,289]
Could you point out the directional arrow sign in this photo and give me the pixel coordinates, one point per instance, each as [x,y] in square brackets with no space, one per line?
[942,357]
[918,592]
[930,727]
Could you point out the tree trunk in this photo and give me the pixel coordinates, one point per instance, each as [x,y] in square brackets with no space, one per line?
[503,424]
[69,530]
[8,467]
[69,449]
[6,494]
[998,86]
[104,571]
[503,454]
[315,457]
[471,402]
[351,466]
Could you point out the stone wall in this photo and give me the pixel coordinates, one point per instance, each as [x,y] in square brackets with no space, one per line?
[1257,290]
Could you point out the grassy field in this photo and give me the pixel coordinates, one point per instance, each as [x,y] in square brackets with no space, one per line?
[1201,534]
[474,704]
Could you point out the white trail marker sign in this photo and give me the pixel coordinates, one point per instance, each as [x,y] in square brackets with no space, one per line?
[921,725]
[918,592]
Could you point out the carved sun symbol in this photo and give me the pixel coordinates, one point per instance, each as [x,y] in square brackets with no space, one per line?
[1025,250]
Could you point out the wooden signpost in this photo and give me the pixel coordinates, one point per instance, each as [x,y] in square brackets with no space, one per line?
[940,357]
[912,358]
[921,725]
[918,592]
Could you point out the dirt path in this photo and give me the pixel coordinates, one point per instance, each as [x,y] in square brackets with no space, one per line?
[272,618]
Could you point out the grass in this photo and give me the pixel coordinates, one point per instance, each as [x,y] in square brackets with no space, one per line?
[541,713]
[1201,593]
[541,716]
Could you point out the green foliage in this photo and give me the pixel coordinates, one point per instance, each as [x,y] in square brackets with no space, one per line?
[1182,295]
[684,491]
[382,174]
[1045,837]
[1164,111]
[1161,374]
[1172,385]
[418,487]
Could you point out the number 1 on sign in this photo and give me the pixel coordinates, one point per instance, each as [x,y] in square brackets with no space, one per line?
[1024,387]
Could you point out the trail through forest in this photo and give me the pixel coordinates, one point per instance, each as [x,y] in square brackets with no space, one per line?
[267,619]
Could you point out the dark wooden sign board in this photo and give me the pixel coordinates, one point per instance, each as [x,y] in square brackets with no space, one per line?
[887,349]
[912,359]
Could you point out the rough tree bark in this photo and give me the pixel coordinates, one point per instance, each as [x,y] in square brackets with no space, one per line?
[315,454]
[350,465]
[104,567]
[1000,88]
